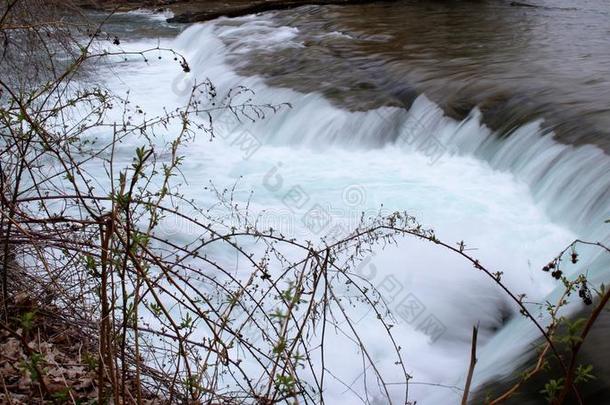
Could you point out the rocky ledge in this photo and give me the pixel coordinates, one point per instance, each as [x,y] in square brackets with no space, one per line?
[188,11]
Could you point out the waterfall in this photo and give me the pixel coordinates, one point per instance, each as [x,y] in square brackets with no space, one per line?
[519,197]
[572,182]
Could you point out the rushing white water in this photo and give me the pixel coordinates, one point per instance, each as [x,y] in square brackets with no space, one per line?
[517,201]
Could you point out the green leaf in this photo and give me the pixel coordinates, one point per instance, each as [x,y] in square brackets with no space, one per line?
[584,373]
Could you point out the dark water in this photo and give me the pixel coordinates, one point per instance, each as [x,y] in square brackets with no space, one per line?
[134,25]
[516,63]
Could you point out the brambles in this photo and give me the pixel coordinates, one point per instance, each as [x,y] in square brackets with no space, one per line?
[164,315]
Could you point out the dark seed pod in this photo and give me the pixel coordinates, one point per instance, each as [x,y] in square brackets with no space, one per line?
[585,293]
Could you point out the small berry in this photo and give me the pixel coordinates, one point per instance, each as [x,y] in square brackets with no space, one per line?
[585,293]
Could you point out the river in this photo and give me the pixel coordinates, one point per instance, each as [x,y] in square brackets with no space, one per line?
[486,121]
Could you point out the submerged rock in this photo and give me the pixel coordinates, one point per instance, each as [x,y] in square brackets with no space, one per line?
[595,351]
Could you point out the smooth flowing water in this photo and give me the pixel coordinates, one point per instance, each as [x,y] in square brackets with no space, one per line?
[516,194]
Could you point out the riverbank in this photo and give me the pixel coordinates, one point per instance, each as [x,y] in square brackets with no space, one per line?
[199,10]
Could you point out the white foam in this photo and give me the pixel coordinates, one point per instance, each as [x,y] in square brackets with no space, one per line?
[516,201]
